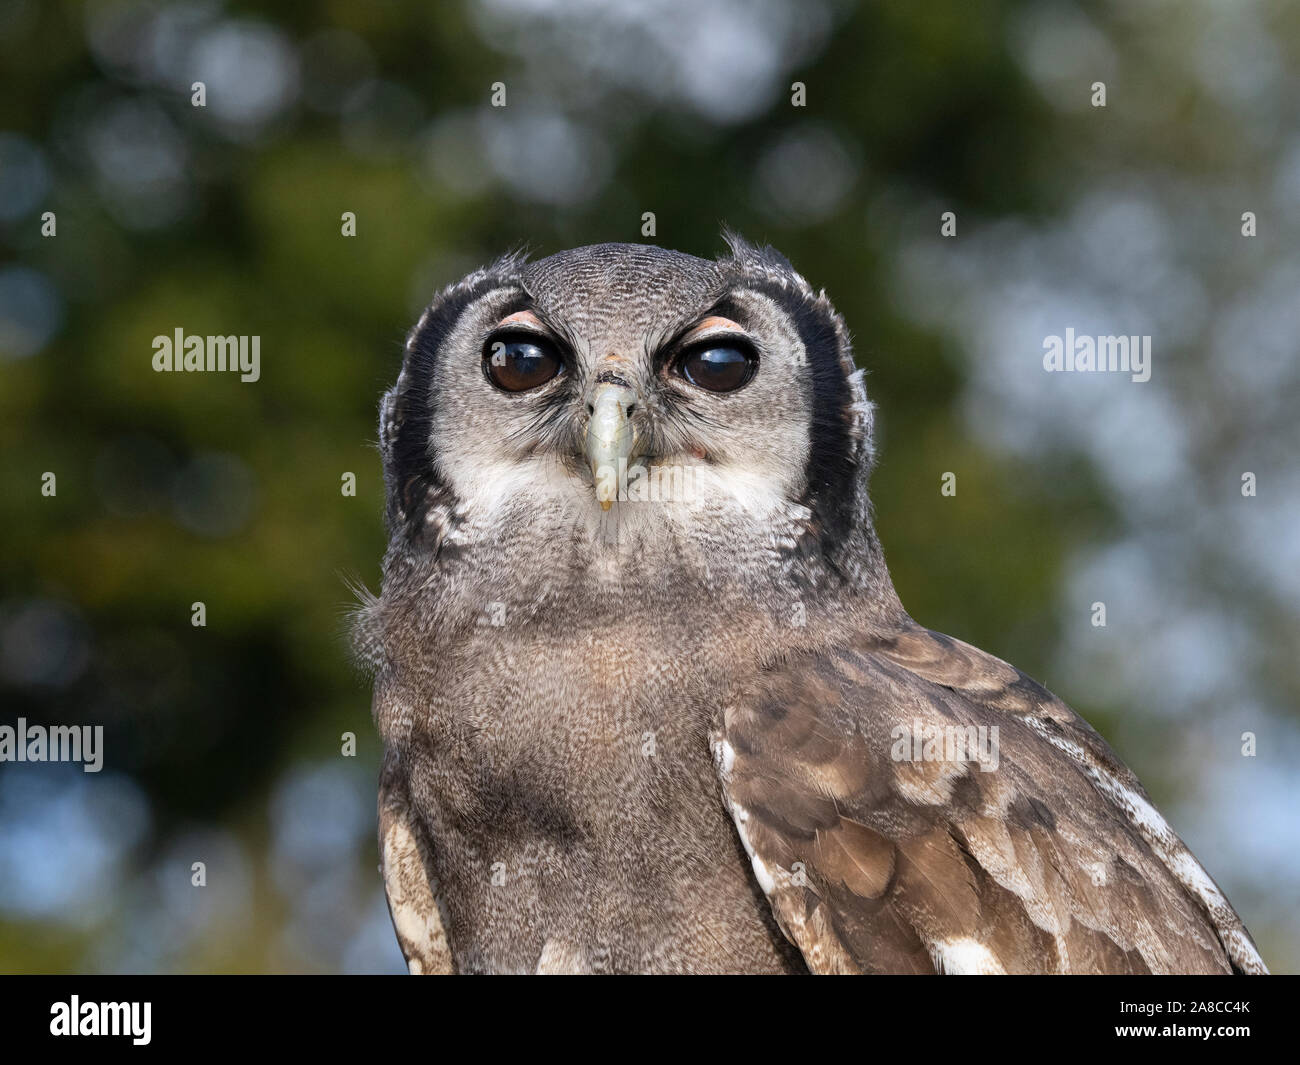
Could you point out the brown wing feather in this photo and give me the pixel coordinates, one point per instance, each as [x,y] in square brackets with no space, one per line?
[1053,862]
[409,879]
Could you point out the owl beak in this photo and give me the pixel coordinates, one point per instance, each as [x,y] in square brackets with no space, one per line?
[611,437]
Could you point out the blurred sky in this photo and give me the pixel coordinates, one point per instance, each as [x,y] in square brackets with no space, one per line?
[223,742]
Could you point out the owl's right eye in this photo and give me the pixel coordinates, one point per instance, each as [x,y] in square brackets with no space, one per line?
[516,363]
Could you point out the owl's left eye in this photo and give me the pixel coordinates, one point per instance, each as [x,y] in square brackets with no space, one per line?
[719,367]
[516,364]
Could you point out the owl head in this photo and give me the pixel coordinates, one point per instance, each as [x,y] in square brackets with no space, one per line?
[626,399]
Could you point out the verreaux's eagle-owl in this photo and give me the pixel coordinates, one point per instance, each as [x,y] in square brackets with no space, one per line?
[648,698]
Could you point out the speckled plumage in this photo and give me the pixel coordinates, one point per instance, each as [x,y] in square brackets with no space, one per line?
[655,738]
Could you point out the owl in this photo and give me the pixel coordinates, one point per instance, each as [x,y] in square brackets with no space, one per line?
[649,701]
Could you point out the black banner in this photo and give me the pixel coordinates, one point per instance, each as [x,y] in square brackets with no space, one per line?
[216,1013]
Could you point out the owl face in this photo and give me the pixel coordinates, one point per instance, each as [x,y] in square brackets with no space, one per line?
[616,384]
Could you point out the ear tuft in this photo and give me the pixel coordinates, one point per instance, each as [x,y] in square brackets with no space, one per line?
[754,258]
